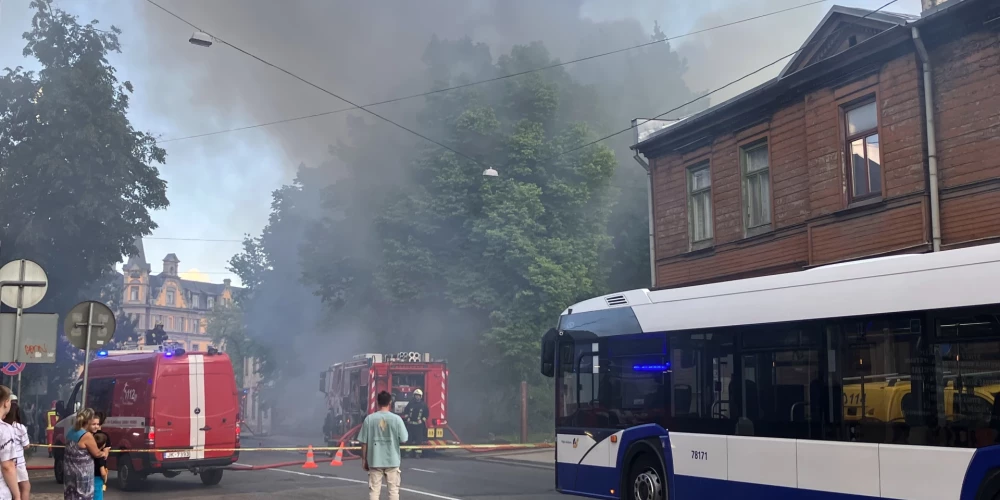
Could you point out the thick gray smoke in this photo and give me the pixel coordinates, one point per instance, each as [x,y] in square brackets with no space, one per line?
[367,52]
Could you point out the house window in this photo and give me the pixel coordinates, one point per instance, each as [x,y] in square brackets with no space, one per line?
[211,302]
[171,297]
[183,325]
[170,322]
[756,186]
[133,293]
[864,164]
[700,202]
[194,301]
[159,319]
[195,347]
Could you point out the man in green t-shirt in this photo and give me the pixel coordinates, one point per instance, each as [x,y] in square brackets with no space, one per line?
[380,436]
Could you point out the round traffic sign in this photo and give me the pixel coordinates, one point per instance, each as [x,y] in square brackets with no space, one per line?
[95,314]
[23,270]
[12,369]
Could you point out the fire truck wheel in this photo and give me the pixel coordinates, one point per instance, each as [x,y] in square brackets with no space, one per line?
[211,477]
[57,469]
[128,478]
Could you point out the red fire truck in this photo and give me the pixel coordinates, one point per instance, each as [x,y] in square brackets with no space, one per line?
[184,403]
[350,388]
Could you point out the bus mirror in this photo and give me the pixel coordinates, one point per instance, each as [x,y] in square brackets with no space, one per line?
[548,354]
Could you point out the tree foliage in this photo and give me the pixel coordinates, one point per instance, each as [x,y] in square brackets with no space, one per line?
[77,181]
[226,327]
[413,246]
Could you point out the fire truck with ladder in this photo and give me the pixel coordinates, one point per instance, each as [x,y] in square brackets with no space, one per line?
[351,387]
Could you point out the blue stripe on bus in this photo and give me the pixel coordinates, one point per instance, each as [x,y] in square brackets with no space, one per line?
[691,487]
[588,480]
[983,460]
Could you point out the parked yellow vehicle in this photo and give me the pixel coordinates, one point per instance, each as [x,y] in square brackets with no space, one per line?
[885,400]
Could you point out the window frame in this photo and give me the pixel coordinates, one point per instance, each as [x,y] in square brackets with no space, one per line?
[691,194]
[760,142]
[852,199]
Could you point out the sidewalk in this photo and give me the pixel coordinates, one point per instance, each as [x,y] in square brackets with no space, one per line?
[545,458]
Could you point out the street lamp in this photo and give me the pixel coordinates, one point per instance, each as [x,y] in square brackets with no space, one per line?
[201,39]
[490,172]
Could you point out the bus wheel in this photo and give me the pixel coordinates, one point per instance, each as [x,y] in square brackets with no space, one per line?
[645,479]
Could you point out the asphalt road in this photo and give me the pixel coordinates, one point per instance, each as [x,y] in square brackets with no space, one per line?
[450,477]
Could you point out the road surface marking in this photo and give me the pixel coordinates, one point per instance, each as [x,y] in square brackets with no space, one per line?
[423,470]
[408,490]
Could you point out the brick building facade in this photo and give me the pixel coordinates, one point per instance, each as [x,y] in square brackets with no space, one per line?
[829,161]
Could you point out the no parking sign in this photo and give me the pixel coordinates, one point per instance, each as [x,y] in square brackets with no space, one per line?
[12,368]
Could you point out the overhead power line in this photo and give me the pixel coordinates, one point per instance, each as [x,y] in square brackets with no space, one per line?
[716,90]
[191,239]
[322,89]
[696,99]
[479,82]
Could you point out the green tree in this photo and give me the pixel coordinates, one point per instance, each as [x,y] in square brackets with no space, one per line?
[77,181]
[505,254]
[226,329]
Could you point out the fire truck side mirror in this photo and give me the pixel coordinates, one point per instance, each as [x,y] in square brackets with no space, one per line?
[548,357]
[322,382]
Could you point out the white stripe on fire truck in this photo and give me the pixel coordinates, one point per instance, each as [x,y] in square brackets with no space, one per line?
[196,398]
[444,394]
[371,391]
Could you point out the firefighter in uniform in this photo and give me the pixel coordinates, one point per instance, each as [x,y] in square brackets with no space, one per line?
[51,418]
[415,417]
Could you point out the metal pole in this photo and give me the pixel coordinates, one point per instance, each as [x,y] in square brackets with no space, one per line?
[19,385]
[524,412]
[17,318]
[86,359]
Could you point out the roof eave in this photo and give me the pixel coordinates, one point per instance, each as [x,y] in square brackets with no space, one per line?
[749,101]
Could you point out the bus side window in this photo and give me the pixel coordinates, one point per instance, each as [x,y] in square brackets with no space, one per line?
[700,382]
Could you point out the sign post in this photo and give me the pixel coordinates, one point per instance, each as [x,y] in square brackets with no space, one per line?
[30,282]
[89,325]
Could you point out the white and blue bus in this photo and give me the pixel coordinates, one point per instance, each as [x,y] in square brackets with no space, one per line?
[872,379]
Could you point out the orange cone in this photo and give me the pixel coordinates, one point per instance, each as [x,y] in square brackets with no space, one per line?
[310,463]
[338,460]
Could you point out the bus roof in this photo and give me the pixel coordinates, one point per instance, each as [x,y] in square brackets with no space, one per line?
[953,278]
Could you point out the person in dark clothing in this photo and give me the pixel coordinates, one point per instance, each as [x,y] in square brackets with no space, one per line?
[415,416]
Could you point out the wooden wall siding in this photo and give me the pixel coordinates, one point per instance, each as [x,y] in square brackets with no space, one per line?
[869,234]
[812,221]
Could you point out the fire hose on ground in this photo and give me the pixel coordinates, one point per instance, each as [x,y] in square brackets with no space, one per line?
[349,452]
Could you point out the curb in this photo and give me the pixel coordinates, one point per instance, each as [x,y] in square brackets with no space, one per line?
[517,463]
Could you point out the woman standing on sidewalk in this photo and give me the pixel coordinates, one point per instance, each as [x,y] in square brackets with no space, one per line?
[8,462]
[78,464]
[21,444]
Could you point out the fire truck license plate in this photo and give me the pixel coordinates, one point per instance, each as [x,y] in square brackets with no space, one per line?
[177,454]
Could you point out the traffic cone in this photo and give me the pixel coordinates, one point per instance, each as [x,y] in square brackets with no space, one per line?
[310,463]
[338,460]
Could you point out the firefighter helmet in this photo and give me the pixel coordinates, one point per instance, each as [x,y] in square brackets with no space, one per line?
[418,392]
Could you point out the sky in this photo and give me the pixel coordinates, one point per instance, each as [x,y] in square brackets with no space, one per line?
[220,186]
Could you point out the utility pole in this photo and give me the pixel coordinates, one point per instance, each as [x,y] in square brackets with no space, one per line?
[524,412]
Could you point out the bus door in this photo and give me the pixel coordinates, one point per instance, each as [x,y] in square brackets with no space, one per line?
[783,392]
[578,404]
